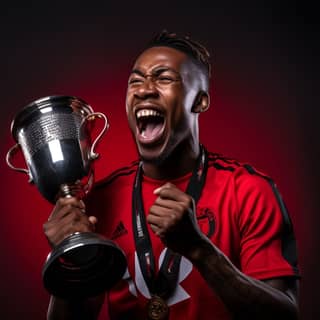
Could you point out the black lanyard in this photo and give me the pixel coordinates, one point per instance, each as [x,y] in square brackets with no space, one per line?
[165,282]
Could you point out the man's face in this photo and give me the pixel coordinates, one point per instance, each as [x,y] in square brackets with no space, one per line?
[160,95]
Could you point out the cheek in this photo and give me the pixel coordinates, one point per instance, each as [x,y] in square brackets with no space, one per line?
[174,99]
[128,101]
[182,105]
[189,99]
[185,95]
[179,117]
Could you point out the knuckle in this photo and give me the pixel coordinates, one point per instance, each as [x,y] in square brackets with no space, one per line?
[69,207]
[77,214]
[167,185]
[166,224]
[149,218]
[45,226]
[187,204]
[182,207]
[174,218]
[49,234]
[61,202]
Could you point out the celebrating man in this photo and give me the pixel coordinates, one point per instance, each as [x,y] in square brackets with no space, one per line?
[205,237]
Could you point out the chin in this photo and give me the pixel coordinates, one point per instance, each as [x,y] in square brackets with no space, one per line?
[152,157]
[157,155]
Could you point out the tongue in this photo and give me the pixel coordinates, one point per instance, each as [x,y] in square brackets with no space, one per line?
[151,130]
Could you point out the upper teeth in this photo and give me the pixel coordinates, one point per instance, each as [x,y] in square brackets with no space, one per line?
[147,113]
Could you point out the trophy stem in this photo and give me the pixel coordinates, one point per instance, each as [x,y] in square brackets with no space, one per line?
[72,190]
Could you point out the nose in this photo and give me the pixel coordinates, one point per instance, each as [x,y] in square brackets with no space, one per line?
[147,88]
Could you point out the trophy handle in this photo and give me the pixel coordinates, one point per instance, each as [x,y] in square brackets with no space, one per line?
[93,155]
[12,151]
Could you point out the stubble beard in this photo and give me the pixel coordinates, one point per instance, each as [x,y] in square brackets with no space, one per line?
[160,159]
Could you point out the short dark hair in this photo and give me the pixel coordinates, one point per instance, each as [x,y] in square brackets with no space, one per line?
[193,49]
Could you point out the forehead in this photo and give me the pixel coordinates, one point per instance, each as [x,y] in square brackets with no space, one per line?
[160,57]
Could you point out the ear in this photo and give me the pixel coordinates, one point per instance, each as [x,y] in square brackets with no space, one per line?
[201,102]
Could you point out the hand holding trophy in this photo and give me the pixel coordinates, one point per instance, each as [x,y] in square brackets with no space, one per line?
[54,135]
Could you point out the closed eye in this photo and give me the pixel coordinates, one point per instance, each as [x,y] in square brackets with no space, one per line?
[135,80]
[165,79]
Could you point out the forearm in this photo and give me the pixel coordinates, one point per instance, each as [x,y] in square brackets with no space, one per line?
[242,295]
[88,309]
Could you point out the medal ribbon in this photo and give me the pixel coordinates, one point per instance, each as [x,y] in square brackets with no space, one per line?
[165,282]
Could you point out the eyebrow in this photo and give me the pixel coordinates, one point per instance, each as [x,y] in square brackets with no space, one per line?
[156,71]
[137,71]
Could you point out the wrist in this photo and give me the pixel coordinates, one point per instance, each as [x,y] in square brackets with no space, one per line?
[202,250]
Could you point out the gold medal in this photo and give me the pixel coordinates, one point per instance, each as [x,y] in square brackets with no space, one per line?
[157,309]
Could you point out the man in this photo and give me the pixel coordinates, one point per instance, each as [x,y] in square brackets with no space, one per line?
[205,237]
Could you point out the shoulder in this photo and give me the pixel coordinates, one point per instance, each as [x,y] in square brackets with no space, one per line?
[235,168]
[118,177]
[253,189]
[242,176]
[254,192]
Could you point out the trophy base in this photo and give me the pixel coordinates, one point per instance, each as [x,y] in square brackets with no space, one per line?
[83,265]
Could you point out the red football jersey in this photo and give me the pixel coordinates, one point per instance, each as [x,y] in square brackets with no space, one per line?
[240,210]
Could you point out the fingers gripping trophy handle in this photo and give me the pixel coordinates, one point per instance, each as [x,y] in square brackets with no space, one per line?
[9,157]
[91,117]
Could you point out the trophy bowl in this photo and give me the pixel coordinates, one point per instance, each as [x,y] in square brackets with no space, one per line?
[54,135]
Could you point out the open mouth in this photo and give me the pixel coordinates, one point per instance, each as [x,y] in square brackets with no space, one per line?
[150,124]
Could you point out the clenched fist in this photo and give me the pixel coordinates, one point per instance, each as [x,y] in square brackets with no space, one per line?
[173,218]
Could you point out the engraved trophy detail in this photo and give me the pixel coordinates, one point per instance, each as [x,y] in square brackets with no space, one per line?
[53,134]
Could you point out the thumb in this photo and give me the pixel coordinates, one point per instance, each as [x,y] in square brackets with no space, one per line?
[93,220]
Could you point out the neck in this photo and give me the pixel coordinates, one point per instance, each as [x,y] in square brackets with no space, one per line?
[179,163]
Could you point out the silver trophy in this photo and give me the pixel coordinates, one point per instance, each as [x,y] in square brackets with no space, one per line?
[54,134]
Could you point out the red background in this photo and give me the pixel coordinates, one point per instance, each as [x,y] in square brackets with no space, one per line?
[263,110]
